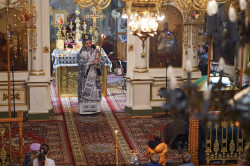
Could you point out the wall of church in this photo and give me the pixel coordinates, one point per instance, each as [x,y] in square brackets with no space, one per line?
[150,79]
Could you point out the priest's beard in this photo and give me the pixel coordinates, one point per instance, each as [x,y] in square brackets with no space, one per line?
[88,48]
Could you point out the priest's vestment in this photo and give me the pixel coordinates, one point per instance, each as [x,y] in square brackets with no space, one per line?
[89,84]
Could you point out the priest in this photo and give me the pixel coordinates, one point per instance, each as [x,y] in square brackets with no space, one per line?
[90,68]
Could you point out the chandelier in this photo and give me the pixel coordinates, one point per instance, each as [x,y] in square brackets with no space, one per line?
[143,17]
[209,6]
[99,4]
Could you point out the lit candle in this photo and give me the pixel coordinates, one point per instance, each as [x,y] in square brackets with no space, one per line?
[116,131]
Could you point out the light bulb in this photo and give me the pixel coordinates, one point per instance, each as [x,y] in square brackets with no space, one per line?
[125,16]
[232,14]
[154,26]
[161,18]
[134,26]
[144,25]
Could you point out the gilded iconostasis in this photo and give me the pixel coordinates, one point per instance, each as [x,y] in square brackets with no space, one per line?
[18,40]
[63,12]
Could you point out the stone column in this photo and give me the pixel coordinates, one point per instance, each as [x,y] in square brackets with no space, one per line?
[37,52]
[140,81]
[39,80]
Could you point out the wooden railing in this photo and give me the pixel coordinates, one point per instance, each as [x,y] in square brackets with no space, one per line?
[3,153]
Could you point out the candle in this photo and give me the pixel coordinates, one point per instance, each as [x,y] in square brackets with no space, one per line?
[221,64]
[243,4]
[189,66]
[171,76]
[189,69]
[116,131]
[206,96]
[116,148]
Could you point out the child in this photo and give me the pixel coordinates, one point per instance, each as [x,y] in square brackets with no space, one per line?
[154,160]
[186,158]
[34,149]
[159,147]
[42,159]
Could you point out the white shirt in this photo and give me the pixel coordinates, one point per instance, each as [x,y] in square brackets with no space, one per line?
[48,162]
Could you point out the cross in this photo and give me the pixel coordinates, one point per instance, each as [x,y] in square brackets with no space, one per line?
[94,16]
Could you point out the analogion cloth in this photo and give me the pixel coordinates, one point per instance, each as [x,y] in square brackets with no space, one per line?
[89,84]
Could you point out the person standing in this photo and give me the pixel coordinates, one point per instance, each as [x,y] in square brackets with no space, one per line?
[90,68]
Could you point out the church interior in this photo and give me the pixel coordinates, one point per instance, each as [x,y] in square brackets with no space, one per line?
[176,68]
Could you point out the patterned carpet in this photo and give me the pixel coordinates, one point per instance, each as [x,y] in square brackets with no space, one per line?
[139,131]
[92,137]
[96,139]
[136,131]
[51,132]
[115,94]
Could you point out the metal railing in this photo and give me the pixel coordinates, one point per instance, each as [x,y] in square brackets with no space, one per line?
[224,141]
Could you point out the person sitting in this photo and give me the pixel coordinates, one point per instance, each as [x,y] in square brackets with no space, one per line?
[186,158]
[42,159]
[31,155]
[154,160]
[158,147]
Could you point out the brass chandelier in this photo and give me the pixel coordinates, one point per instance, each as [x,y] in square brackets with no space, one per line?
[143,17]
[99,4]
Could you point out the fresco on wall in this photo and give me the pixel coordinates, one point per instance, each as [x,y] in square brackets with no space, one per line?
[167,44]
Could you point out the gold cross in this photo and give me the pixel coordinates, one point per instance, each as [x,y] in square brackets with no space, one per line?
[94,16]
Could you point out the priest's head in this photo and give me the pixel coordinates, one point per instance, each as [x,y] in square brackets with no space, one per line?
[87,42]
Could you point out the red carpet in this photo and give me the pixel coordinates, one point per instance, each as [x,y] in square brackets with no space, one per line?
[139,131]
[116,96]
[52,133]
[96,137]
[136,131]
